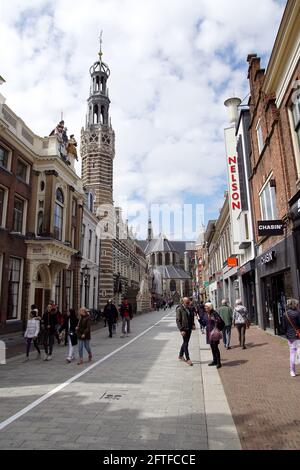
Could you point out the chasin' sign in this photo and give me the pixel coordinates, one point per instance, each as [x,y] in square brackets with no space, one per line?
[234,183]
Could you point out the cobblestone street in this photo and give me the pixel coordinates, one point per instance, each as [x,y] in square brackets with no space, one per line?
[263,398]
[134,395]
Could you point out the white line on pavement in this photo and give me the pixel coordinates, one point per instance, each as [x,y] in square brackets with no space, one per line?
[28,408]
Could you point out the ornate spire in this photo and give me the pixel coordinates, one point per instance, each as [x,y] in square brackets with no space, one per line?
[100,53]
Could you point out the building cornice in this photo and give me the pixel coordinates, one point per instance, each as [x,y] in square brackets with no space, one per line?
[285,54]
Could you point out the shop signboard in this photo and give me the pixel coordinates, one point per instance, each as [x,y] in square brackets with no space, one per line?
[270,227]
[232,262]
[234,194]
[268,257]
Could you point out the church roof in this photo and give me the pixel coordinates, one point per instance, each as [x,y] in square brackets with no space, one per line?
[172,272]
[160,244]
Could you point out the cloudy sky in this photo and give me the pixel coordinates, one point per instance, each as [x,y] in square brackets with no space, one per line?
[173,63]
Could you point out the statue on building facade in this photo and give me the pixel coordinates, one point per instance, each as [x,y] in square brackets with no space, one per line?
[71,146]
[66,146]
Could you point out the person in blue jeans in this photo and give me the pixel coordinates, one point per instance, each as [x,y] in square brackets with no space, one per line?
[83,331]
[226,314]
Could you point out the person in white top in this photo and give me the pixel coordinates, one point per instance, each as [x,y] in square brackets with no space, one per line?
[31,333]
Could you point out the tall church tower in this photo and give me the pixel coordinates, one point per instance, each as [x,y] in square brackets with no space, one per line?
[97,153]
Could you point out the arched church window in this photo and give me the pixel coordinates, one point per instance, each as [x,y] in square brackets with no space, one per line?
[153,259]
[97,83]
[186,288]
[159,259]
[102,117]
[102,85]
[173,285]
[95,114]
[91,202]
[167,258]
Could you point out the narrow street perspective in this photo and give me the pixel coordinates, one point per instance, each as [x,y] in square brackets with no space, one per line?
[136,395]
[150,229]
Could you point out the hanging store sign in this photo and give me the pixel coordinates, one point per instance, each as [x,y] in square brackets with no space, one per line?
[268,257]
[270,227]
[232,262]
[234,196]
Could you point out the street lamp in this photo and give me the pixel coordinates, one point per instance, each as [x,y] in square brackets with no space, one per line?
[86,271]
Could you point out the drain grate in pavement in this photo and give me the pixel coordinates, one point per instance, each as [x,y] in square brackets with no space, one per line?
[113,396]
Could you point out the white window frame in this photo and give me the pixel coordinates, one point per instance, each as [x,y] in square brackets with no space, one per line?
[20,290]
[63,206]
[24,221]
[9,159]
[259,135]
[20,159]
[274,212]
[295,139]
[5,204]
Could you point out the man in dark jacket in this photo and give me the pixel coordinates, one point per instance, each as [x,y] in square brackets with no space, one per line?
[49,322]
[126,315]
[185,323]
[111,316]
[226,314]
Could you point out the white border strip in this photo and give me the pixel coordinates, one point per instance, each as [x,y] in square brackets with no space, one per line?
[55,390]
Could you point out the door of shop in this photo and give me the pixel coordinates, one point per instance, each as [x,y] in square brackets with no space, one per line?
[275,301]
[38,300]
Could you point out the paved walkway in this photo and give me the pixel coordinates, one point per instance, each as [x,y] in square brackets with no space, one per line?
[264,399]
[134,395]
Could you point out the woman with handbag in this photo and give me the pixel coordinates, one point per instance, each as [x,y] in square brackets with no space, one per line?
[292,331]
[241,321]
[69,326]
[214,328]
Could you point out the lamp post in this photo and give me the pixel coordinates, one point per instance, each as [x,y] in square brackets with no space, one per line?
[86,271]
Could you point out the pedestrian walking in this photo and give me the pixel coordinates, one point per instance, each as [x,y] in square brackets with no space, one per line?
[126,315]
[241,321]
[201,315]
[214,328]
[38,318]
[185,323]
[291,323]
[83,331]
[49,321]
[31,333]
[226,314]
[69,327]
[111,315]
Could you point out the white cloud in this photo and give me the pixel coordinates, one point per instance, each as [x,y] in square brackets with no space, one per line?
[172,65]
